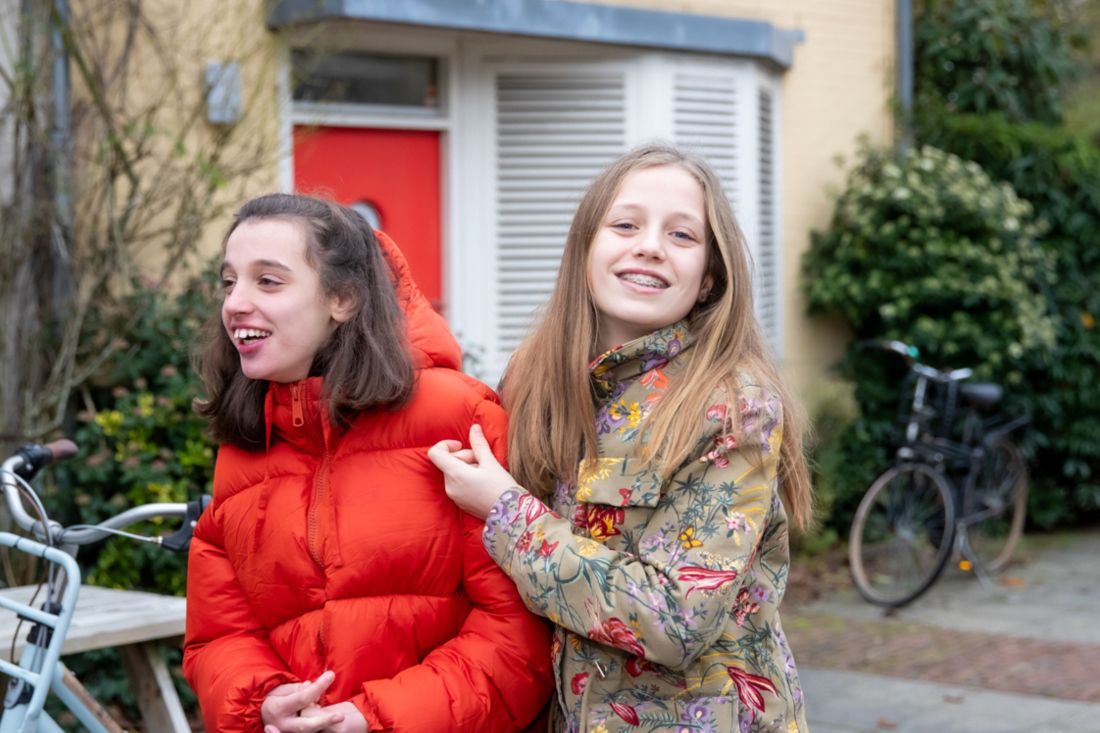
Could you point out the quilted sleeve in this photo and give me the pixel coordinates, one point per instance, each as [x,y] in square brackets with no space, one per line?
[495,674]
[227,658]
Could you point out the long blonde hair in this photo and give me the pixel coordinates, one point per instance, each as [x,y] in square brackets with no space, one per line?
[547,389]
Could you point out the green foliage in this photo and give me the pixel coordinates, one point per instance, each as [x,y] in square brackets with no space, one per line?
[1060,174]
[140,440]
[929,250]
[1011,56]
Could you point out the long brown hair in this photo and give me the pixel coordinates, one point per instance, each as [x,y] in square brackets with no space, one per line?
[547,389]
[365,363]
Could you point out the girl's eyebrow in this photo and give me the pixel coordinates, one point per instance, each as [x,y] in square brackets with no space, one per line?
[628,207]
[274,264]
[271,263]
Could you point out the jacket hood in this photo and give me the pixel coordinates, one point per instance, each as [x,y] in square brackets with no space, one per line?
[430,340]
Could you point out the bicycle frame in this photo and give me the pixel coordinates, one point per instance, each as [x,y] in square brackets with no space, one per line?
[40,670]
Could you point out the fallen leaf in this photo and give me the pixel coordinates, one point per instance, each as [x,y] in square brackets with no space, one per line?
[886,724]
[957,699]
[1012,581]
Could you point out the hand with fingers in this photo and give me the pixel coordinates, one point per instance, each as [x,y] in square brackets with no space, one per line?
[293,708]
[474,479]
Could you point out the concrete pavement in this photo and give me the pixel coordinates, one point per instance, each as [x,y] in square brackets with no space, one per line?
[1020,655]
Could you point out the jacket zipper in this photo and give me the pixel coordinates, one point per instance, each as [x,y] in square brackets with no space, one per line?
[320,496]
[298,419]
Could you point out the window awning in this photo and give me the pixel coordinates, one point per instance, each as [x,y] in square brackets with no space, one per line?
[560,19]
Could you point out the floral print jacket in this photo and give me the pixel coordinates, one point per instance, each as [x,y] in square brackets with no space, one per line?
[665,593]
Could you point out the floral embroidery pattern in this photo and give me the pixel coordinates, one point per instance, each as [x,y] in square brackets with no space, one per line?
[665,589]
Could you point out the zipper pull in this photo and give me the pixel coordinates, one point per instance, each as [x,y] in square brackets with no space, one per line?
[296,405]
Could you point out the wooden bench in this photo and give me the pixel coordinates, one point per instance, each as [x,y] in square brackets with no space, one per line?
[134,623]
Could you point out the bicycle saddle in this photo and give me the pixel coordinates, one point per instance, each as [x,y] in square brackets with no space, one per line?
[981,394]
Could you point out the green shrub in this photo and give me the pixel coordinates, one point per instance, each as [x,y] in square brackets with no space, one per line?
[1011,56]
[140,442]
[1059,173]
[929,250]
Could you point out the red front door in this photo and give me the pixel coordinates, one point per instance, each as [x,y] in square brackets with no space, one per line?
[391,174]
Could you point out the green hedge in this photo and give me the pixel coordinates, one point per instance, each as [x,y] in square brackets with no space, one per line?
[986,56]
[1060,175]
[140,442]
[929,250]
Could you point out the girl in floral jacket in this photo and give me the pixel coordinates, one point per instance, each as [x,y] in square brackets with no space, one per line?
[656,462]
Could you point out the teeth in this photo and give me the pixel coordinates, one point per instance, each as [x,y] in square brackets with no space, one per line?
[648,281]
[250,333]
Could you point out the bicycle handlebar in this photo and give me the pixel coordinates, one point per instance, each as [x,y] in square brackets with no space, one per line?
[912,353]
[30,459]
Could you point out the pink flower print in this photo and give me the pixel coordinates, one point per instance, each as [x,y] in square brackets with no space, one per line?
[717,455]
[614,632]
[717,412]
[626,712]
[744,606]
[736,523]
[547,548]
[523,544]
[531,508]
[705,578]
[750,688]
[578,683]
[636,665]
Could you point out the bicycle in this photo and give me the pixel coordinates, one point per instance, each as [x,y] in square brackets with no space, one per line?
[958,486]
[40,669]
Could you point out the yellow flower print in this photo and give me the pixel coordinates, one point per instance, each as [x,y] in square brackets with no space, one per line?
[593,470]
[792,727]
[540,533]
[687,539]
[601,728]
[586,547]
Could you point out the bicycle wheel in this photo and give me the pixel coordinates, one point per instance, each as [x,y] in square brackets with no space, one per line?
[997,505]
[902,534]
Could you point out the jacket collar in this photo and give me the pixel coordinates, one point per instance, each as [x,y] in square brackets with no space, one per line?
[653,351]
[297,414]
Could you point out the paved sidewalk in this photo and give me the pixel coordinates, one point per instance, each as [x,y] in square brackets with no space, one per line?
[1022,655]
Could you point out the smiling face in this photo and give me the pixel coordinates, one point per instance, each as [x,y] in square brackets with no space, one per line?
[275,311]
[648,261]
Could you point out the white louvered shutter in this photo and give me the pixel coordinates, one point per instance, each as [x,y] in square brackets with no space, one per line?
[554,132]
[767,287]
[704,121]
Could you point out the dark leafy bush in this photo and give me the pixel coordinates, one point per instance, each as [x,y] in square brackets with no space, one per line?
[140,442]
[929,250]
[1059,174]
[1009,56]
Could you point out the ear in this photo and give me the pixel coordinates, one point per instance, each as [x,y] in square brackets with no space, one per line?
[342,307]
[704,288]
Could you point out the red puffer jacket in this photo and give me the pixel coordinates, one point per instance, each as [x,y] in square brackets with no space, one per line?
[339,550]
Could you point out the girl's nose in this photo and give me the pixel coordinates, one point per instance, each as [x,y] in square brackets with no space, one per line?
[649,244]
[237,300]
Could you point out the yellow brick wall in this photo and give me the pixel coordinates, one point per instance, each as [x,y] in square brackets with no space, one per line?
[838,88]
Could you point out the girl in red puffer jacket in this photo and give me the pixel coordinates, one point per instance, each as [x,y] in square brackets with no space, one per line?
[332,586]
